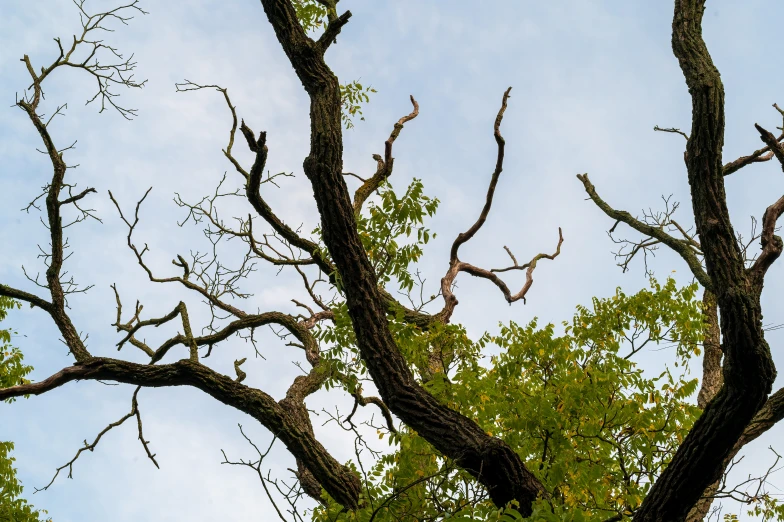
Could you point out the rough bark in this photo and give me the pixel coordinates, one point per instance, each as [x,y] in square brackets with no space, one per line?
[712,380]
[771,413]
[748,368]
[289,427]
[490,460]
[712,376]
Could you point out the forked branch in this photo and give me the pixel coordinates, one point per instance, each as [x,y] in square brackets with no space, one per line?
[384,166]
[683,247]
[456,265]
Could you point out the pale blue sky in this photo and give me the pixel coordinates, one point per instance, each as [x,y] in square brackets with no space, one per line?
[590,80]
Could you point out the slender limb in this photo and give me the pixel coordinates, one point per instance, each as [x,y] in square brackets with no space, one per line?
[110,72]
[672,130]
[683,247]
[91,447]
[384,168]
[456,265]
[359,400]
[256,466]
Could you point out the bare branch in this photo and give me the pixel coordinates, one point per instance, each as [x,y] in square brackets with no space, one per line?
[456,265]
[673,130]
[338,480]
[385,165]
[332,30]
[766,153]
[683,247]
[133,413]
[359,400]
[499,164]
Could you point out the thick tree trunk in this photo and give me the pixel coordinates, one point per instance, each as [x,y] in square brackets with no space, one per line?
[488,459]
[748,369]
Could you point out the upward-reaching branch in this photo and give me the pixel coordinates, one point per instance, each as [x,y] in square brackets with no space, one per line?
[384,169]
[456,265]
[748,369]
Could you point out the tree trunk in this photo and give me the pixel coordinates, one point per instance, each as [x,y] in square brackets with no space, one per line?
[492,462]
[748,369]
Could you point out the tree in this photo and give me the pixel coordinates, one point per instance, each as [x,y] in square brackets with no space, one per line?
[355,268]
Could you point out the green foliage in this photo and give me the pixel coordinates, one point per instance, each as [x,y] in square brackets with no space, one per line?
[391,222]
[13,508]
[313,16]
[394,233]
[12,372]
[353,95]
[585,418]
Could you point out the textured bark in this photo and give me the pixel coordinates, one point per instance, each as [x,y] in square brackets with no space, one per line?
[771,413]
[488,459]
[289,427]
[712,376]
[748,367]
[712,381]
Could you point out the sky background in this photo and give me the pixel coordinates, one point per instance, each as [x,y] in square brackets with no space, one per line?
[590,80]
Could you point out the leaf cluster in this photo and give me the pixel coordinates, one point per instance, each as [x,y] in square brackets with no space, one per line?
[595,428]
[12,372]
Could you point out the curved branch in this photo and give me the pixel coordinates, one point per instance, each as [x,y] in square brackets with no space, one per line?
[682,247]
[27,297]
[499,166]
[456,266]
[339,481]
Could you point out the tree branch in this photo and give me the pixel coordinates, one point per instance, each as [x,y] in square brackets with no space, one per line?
[339,481]
[680,246]
[384,168]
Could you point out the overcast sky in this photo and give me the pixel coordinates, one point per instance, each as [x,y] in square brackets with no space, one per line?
[590,80]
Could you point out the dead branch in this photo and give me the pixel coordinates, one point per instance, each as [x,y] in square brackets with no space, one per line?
[456,265]
[385,165]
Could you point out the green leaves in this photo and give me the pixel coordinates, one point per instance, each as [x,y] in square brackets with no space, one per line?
[585,418]
[353,95]
[311,14]
[12,372]
[394,233]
